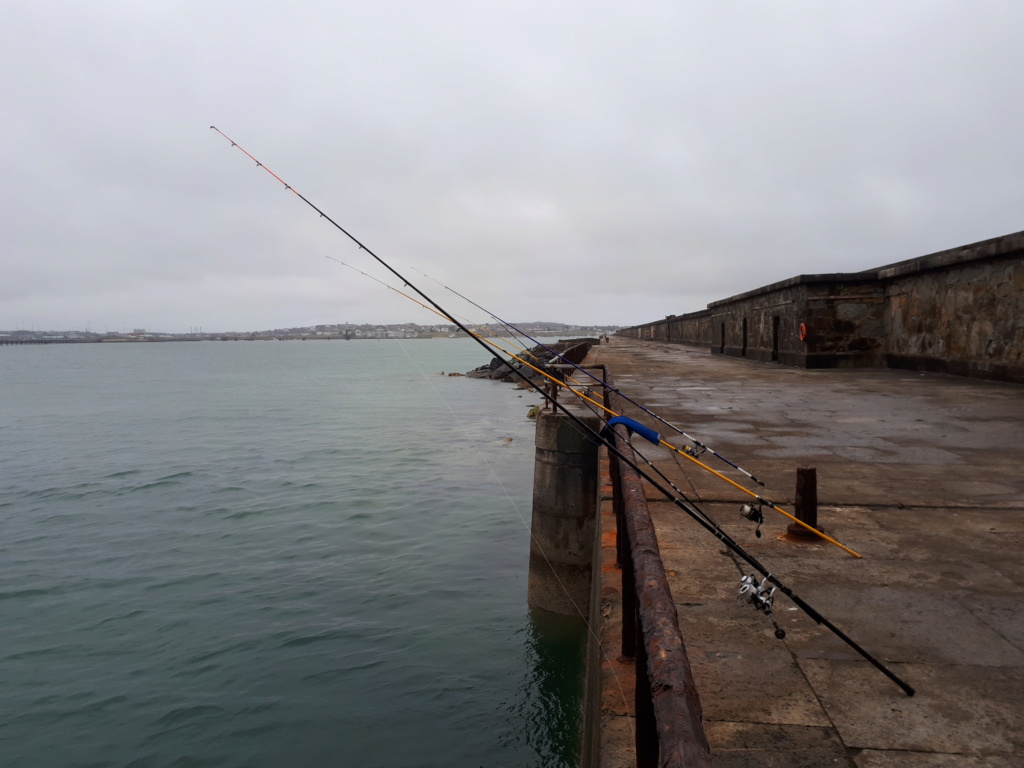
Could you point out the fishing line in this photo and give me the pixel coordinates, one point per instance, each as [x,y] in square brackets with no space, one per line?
[508,326]
[468,435]
[611,445]
[529,528]
[443,313]
[761,501]
[425,306]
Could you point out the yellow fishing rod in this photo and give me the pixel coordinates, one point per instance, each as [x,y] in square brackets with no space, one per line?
[660,441]
[762,502]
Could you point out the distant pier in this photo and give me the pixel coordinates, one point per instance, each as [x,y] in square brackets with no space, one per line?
[13,342]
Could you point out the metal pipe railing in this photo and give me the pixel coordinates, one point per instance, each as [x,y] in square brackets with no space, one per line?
[669,729]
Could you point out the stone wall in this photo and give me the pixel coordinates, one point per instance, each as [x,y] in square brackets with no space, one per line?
[962,315]
[959,311]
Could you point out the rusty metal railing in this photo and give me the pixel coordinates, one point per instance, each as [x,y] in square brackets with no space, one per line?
[669,730]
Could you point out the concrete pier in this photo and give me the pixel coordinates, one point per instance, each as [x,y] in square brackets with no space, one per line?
[564,511]
[918,472]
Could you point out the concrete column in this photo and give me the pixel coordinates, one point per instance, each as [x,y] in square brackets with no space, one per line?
[565,486]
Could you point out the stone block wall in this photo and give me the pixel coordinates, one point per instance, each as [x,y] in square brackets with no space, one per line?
[962,315]
[959,311]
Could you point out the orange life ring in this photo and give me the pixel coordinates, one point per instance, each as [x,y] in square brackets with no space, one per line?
[803,331]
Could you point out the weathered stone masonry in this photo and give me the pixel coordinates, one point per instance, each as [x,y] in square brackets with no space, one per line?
[959,311]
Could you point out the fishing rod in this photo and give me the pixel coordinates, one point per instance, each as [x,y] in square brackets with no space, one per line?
[761,595]
[700,447]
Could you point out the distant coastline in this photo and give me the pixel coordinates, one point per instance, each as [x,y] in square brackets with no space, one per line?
[344,332]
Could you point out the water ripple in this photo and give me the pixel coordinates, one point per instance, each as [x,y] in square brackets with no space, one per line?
[203,565]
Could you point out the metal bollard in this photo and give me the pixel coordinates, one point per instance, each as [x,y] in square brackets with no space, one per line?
[806,504]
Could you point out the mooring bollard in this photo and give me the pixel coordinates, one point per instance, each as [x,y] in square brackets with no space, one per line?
[806,504]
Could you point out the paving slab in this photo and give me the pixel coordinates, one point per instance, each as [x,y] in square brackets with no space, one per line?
[919,473]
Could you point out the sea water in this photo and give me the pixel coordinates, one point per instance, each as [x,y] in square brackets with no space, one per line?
[272,554]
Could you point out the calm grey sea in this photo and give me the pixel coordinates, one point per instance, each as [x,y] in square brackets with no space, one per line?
[271,554]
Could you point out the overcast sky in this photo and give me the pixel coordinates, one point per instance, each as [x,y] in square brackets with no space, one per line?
[586,162]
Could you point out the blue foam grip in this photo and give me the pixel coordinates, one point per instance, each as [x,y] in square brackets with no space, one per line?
[633,426]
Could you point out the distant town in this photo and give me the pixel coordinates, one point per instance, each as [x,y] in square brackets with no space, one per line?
[346,331]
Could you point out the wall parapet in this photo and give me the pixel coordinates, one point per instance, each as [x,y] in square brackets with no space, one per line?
[958,311]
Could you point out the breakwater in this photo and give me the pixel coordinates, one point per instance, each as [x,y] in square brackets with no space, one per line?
[538,357]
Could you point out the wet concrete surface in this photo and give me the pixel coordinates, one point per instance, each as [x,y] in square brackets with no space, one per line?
[923,475]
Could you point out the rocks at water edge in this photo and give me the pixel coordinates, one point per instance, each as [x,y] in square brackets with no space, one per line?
[573,350]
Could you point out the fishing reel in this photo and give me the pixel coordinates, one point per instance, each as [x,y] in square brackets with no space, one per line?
[754,515]
[761,596]
[694,450]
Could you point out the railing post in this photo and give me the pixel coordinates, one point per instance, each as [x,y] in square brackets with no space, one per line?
[646,726]
[630,625]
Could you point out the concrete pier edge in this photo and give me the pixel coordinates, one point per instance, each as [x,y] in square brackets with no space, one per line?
[608,721]
[564,510]
[921,473]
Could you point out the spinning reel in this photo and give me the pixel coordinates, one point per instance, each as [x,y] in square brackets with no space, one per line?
[694,450]
[754,515]
[761,596]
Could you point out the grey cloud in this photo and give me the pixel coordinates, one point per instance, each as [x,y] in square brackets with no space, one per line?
[651,158]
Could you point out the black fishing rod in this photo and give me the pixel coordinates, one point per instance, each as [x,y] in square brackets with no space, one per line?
[760,596]
[700,446]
